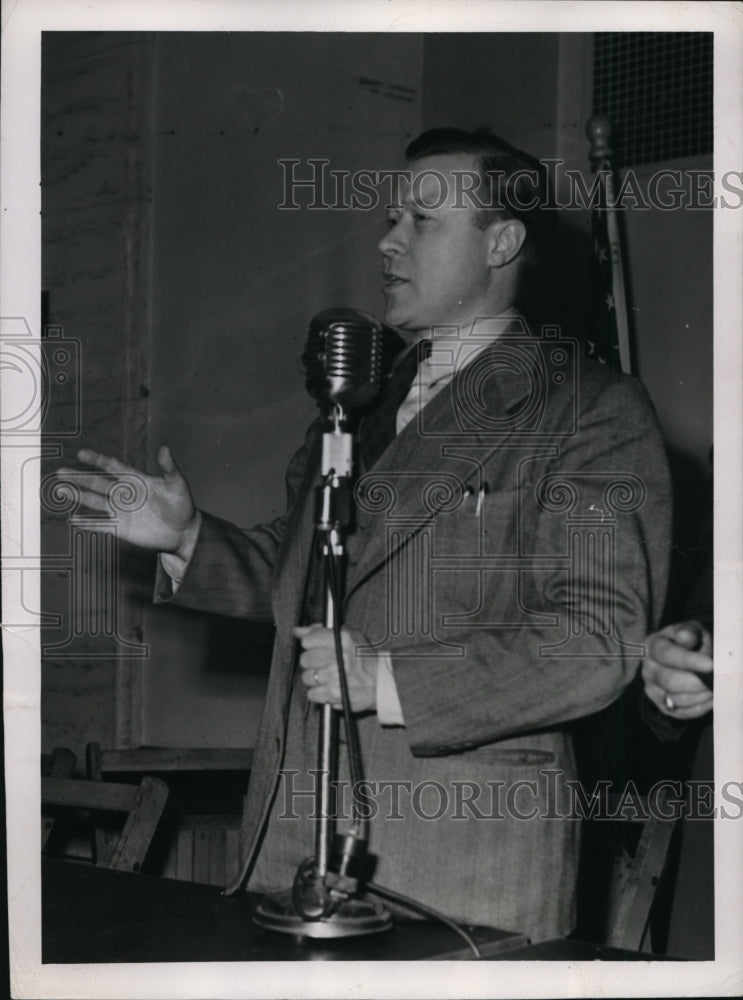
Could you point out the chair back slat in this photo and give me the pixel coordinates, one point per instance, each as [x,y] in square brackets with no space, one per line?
[636,878]
[143,803]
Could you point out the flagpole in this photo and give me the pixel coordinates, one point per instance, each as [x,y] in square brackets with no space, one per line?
[598,130]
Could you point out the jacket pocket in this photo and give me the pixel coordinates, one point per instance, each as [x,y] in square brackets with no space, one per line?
[508,755]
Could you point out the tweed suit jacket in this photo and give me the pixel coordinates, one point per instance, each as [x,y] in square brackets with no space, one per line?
[511,553]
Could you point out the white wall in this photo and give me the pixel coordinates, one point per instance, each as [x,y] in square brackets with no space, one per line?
[96,201]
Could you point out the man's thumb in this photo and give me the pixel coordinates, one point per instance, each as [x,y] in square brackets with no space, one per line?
[689,635]
[165,461]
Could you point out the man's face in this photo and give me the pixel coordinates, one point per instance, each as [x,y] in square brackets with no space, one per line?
[436,269]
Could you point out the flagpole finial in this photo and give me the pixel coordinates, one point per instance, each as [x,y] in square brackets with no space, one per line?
[598,131]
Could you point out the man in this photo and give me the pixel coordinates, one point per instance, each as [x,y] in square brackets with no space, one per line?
[510,555]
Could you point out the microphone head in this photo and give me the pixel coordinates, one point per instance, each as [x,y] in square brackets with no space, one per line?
[343,358]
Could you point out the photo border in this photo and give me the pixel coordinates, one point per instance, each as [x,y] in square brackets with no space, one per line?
[20,239]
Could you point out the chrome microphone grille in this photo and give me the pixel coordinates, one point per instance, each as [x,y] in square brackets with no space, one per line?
[343,357]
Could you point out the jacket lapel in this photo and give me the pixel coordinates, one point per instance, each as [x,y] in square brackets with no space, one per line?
[416,458]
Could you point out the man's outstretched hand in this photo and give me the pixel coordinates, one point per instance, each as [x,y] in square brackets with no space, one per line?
[160,515]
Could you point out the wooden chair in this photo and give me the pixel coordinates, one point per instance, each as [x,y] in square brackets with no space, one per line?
[143,804]
[204,845]
[60,763]
[637,876]
[161,759]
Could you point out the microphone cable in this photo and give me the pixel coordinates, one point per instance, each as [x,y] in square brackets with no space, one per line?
[352,736]
[426,911]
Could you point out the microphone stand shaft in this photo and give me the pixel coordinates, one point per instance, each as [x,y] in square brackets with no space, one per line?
[328,739]
[324,901]
[325,804]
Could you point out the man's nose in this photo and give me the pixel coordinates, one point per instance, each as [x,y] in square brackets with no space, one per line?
[392,242]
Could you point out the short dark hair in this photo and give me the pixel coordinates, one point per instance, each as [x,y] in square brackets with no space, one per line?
[516,185]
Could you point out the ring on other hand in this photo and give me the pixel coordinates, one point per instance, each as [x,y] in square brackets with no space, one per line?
[669,703]
[315,681]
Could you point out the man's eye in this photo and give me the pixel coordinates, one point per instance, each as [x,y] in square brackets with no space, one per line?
[419,217]
[392,221]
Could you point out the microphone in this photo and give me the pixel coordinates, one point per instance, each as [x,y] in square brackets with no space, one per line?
[343,363]
[343,358]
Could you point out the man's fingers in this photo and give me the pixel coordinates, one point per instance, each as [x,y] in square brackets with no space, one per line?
[675,681]
[322,687]
[111,465]
[98,484]
[314,676]
[87,484]
[703,664]
[319,637]
[693,636]
[107,463]
[95,491]
[314,636]
[694,712]
[689,634]
[683,713]
[320,682]
[316,658]
[668,653]
[680,699]
[94,500]
[323,696]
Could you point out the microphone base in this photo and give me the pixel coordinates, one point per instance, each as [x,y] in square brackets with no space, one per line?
[353,917]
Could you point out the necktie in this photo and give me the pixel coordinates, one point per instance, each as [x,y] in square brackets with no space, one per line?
[378,427]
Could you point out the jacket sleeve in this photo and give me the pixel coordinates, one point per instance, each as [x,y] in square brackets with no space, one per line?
[231,569]
[511,680]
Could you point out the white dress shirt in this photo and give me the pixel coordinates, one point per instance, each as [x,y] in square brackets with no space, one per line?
[449,354]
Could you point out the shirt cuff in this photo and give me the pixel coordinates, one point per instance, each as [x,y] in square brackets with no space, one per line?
[175,566]
[389,709]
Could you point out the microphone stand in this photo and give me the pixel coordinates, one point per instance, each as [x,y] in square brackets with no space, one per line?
[325,900]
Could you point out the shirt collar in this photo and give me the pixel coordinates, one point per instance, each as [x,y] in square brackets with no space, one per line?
[450,353]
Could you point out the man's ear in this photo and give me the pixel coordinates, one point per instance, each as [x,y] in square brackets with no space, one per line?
[505,238]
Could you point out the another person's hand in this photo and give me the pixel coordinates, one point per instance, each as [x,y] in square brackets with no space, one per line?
[163,517]
[320,667]
[678,670]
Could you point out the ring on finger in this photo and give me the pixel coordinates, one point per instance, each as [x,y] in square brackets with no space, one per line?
[669,703]
[315,680]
